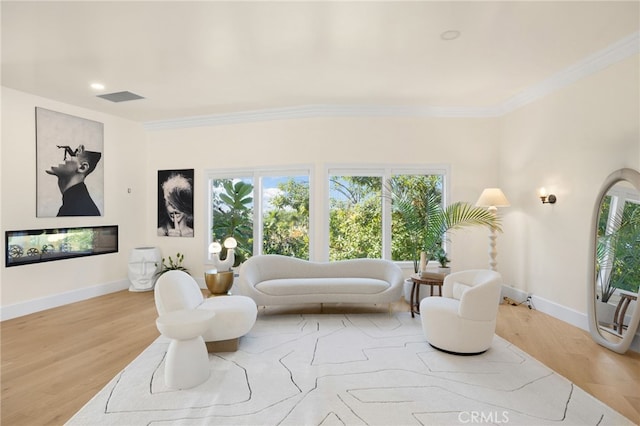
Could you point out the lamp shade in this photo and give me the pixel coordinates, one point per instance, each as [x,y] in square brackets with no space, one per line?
[230,243]
[215,247]
[492,197]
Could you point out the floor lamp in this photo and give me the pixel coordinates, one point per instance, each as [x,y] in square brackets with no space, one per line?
[492,198]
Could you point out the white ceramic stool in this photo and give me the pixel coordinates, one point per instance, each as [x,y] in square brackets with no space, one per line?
[187,361]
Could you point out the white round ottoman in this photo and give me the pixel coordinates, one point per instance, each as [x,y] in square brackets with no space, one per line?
[187,361]
[235,316]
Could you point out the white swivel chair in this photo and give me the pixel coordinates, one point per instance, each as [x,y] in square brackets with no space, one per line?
[234,315]
[463,320]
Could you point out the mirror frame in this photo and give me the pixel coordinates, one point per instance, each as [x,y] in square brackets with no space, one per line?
[633,177]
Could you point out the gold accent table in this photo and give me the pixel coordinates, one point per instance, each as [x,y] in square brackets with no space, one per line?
[218,283]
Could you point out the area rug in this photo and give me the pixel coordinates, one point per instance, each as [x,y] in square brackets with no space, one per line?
[359,369]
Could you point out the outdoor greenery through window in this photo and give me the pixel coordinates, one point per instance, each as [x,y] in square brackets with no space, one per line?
[618,241]
[232,213]
[357,208]
[269,212]
[283,223]
[285,216]
[406,244]
[355,217]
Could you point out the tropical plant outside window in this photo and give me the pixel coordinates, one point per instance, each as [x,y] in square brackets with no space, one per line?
[283,202]
[232,214]
[407,238]
[618,249]
[355,217]
[285,216]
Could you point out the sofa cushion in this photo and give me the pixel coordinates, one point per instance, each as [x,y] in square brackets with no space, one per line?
[302,286]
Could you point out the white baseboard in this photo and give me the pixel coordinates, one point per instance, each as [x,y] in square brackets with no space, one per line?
[53,301]
[560,312]
[512,293]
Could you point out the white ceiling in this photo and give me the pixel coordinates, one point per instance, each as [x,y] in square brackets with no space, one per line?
[202,58]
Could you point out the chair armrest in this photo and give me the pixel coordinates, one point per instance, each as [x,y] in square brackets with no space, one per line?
[480,302]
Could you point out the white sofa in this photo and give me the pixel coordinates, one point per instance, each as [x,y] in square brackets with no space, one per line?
[281,280]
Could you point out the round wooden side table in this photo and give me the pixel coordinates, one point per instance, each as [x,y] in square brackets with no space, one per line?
[432,279]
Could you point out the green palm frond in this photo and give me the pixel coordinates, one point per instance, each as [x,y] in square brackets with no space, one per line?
[428,222]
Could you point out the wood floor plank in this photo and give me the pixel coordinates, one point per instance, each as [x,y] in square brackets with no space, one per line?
[54,361]
[611,377]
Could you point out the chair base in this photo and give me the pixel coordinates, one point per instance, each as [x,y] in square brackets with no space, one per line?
[230,345]
[458,353]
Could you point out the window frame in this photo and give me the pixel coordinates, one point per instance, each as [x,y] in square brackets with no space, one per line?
[319,191]
[256,175]
[386,172]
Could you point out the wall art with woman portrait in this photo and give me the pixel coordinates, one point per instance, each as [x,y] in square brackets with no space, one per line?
[70,173]
[175,203]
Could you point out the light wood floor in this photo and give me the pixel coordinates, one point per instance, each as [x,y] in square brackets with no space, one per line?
[53,362]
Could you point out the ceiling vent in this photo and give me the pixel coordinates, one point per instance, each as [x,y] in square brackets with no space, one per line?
[120,96]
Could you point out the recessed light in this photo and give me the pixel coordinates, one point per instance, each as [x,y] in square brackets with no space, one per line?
[97,86]
[450,35]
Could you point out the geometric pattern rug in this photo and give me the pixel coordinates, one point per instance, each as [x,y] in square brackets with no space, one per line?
[347,369]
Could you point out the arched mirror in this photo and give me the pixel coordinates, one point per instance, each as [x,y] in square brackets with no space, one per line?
[614,264]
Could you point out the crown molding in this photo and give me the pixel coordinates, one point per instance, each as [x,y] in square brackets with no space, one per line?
[592,64]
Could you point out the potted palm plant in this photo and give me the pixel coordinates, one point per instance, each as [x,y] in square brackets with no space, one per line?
[427,222]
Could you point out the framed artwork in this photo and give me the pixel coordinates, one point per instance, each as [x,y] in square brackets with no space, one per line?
[43,245]
[175,203]
[69,165]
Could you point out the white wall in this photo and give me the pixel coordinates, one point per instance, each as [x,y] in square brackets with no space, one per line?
[125,165]
[468,145]
[568,143]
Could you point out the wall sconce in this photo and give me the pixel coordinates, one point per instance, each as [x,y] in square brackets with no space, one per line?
[547,199]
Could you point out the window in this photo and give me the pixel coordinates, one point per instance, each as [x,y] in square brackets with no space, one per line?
[232,213]
[285,215]
[406,243]
[270,211]
[361,222]
[355,217]
[267,212]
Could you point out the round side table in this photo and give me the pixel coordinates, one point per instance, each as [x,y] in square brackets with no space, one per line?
[187,361]
[432,279]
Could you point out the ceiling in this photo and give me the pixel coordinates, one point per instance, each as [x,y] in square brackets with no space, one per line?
[207,58]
